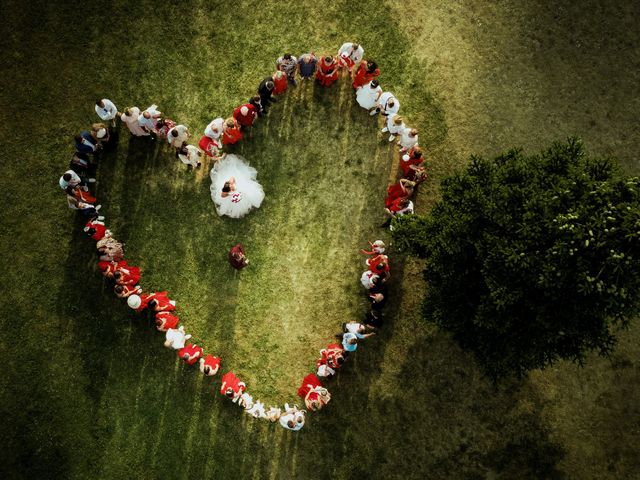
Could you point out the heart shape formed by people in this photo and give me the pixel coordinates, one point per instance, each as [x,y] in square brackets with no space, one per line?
[330,194]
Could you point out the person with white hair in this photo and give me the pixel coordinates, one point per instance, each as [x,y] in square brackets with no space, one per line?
[131,117]
[106,110]
[408,139]
[350,54]
[388,105]
[149,118]
[367,96]
[307,64]
[245,115]
[394,126]
[292,418]
[175,337]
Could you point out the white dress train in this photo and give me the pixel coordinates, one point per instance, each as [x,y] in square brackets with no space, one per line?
[248,193]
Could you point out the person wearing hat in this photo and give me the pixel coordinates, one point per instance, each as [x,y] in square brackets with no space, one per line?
[350,54]
[307,64]
[245,115]
[107,110]
[265,90]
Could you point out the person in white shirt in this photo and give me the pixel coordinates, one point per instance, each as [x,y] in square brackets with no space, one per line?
[408,139]
[177,136]
[367,95]
[350,54]
[149,118]
[106,110]
[190,155]
[292,418]
[358,329]
[395,126]
[387,105]
[288,64]
[131,118]
[176,338]
[72,179]
[215,128]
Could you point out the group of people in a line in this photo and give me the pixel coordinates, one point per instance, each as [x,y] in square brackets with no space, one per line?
[126,278]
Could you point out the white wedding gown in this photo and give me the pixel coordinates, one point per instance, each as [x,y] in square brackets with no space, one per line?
[248,193]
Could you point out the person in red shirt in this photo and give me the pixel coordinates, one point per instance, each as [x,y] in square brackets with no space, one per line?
[411,161]
[209,365]
[190,354]
[279,82]
[96,230]
[327,72]
[127,275]
[366,71]
[231,132]
[315,396]
[237,257]
[231,386]
[403,188]
[124,291]
[165,321]
[245,115]
[331,359]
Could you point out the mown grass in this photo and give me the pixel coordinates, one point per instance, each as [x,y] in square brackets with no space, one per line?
[90,392]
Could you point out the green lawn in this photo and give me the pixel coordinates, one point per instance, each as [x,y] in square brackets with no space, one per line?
[89,391]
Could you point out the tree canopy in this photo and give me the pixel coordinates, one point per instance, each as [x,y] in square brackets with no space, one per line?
[531,258]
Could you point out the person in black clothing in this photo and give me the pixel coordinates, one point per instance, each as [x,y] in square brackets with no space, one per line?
[257,103]
[265,90]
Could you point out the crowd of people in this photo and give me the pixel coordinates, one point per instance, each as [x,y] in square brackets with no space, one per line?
[326,70]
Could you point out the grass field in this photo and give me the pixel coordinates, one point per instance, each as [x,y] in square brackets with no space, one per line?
[89,391]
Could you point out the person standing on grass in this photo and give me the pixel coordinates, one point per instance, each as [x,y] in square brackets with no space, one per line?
[107,111]
[327,72]
[72,179]
[402,189]
[367,96]
[149,118]
[350,54]
[408,139]
[265,90]
[232,387]
[163,125]
[256,101]
[288,64]
[315,396]
[190,155]
[387,105]
[86,143]
[365,72]
[88,211]
[399,207]
[279,82]
[307,65]
[178,136]
[411,162]
[237,257]
[245,115]
[292,418]
[394,126]
[131,117]
[231,132]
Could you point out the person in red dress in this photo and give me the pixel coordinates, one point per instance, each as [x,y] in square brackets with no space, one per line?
[190,354]
[108,269]
[127,275]
[209,365]
[403,188]
[327,72]
[279,82]
[237,257]
[157,302]
[165,321]
[96,230]
[210,147]
[366,71]
[377,248]
[125,291]
[378,264]
[411,161]
[245,115]
[231,132]
[331,359]
[315,396]
[231,386]
[79,193]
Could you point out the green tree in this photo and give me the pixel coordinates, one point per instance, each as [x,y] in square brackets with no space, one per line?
[531,259]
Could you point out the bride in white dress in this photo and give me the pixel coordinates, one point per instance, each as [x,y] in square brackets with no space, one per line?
[234,189]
